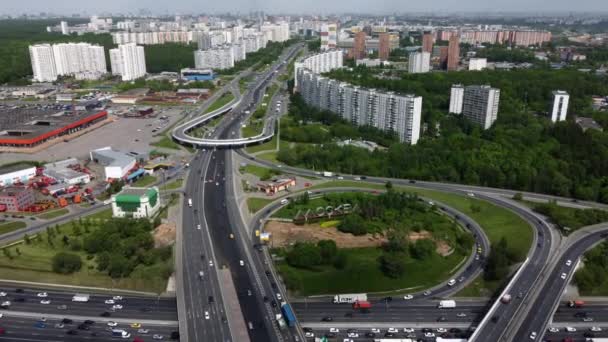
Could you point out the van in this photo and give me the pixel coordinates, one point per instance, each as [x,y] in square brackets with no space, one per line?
[452,282]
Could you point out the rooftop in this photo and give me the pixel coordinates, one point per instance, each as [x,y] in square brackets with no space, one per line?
[12,190]
[14,167]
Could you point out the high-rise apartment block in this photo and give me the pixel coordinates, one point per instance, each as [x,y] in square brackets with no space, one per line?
[65,30]
[519,38]
[480,104]
[384,48]
[218,58]
[81,60]
[456,97]
[329,36]
[419,62]
[453,53]
[278,32]
[477,64]
[427,42]
[559,108]
[320,63]
[359,50]
[128,61]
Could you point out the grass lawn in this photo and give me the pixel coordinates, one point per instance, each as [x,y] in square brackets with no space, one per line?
[144,181]
[173,185]
[11,226]
[269,156]
[267,146]
[166,142]
[255,204]
[105,214]
[258,171]
[219,103]
[252,129]
[52,214]
[479,288]
[362,274]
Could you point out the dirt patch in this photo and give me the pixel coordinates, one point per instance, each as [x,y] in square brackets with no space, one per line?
[443,248]
[164,235]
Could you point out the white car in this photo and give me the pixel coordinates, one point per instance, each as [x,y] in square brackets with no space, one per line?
[143,331]
[393,330]
[353,335]
[375,330]
[42,294]
[117,307]
[1,314]
[533,335]
[564,275]
[110,301]
[568,262]
[206,314]
[461,314]
[452,282]
[198,226]
[470,194]
[158,337]
[2,294]
[309,334]
[210,263]
[340,177]
[241,263]
[334,330]
[112,324]
[279,297]
[429,334]
[408,297]
[442,330]
[45,301]
[408,330]
[595,329]
[553,329]
[570,329]
[117,297]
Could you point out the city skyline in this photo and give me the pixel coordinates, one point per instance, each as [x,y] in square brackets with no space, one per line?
[308,7]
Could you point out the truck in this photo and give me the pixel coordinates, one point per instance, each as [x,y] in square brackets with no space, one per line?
[447,304]
[362,304]
[81,297]
[349,298]
[190,202]
[576,304]
[327,174]
[288,315]
[281,322]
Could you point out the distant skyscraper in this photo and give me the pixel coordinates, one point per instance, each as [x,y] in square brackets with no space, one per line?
[427,42]
[384,48]
[359,49]
[65,30]
[443,57]
[419,62]
[456,97]
[559,109]
[43,63]
[329,36]
[480,104]
[453,53]
[129,61]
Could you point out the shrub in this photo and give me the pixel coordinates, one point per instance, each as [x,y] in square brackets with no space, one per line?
[66,263]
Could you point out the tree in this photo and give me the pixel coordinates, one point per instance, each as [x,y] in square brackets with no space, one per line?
[118,266]
[304,255]
[26,239]
[103,261]
[66,263]
[340,260]
[7,253]
[76,229]
[353,224]
[422,249]
[397,242]
[66,240]
[392,264]
[518,196]
[328,250]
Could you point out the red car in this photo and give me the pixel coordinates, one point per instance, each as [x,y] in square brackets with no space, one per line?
[137,339]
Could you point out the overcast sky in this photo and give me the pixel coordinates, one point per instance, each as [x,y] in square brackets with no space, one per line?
[297,6]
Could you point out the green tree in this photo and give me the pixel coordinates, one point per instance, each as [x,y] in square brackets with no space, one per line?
[392,264]
[304,255]
[26,239]
[328,250]
[103,261]
[66,263]
[422,249]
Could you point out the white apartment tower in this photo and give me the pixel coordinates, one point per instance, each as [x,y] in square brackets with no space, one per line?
[43,63]
[329,36]
[456,96]
[559,109]
[76,58]
[221,57]
[419,62]
[129,61]
[65,30]
[480,104]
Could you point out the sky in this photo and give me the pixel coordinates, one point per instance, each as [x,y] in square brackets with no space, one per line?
[298,6]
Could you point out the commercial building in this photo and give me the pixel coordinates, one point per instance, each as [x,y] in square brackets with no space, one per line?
[477,64]
[427,42]
[480,104]
[419,62]
[128,61]
[217,58]
[276,185]
[384,48]
[559,107]
[197,74]
[16,198]
[456,96]
[136,202]
[116,164]
[386,111]
[453,53]
[329,36]
[359,50]
[67,172]
[17,174]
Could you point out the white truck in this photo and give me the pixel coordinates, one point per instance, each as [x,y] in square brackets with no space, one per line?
[447,304]
[190,202]
[349,298]
[327,174]
[81,297]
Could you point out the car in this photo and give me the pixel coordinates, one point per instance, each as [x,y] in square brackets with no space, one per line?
[274,303]
[533,335]
[62,307]
[568,262]
[375,330]
[389,334]
[2,294]
[42,319]
[59,325]
[393,330]
[441,319]
[198,226]
[241,263]
[330,335]
[596,329]
[553,330]
[340,177]
[210,299]
[117,297]
[117,307]
[442,330]
[570,329]
[353,335]
[452,282]
[279,297]
[455,331]
[408,297]
[429,334]
[143,331]
[309,334]
[42,295]
[588,334]
[45,301]
[563,276]
[207,315]
[580,314]
[136,325]
[89,322]
[461,314]
[66,321]
[210,263]
[408,330]
[427,293]
[157,337]
[334,330]
[112,324]
[84,327]
[110,301]
[327,319]
[370,334]
[588,319]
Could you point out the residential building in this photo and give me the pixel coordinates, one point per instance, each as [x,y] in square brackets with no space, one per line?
[320,63]
[359,50]
[218,58]
[559,108]
[419,62]
[72,59]
[384,49]
[456,97]
[329,36]
[278,32]
[427,42]
[480,104]
[477,64]
[128,61]
[443,57]
[43,63]
[453,53]
[65,30]
[136,202]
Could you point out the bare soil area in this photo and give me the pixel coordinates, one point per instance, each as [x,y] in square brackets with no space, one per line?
[164,235]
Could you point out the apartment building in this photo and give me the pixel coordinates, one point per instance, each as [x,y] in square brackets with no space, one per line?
[559,107]
[329,36]
[128,61]
[480,104]
[419,62]
[218,58]
[456,96]
[80,60]
[43,63]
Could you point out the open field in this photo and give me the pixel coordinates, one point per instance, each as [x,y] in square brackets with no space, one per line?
[220,102]
[144,181]
[255,203]
[53,214]
[11,226]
